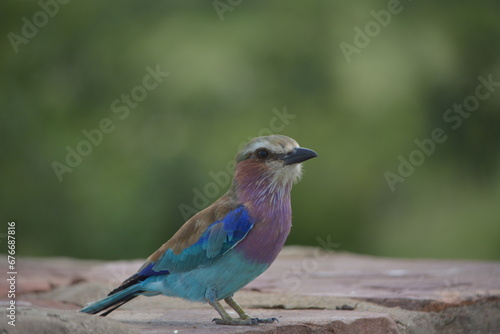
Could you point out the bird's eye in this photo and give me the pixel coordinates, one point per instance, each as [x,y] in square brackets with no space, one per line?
[262,153]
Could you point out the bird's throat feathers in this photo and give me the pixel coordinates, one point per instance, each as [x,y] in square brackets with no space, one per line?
[263,190]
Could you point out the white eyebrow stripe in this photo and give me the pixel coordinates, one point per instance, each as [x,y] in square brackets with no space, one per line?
[275,144]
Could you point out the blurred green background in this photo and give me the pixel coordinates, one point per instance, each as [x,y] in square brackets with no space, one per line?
[233,67]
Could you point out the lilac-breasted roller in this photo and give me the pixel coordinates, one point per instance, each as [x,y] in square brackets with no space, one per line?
[227,245]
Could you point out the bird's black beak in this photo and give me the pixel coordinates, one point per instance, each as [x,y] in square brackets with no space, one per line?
[299,155]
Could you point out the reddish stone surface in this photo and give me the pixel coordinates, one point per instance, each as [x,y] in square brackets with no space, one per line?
[412,284]
[303,289]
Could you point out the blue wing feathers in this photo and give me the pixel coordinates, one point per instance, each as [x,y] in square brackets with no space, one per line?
[215,240]
[219,237]
[148,271]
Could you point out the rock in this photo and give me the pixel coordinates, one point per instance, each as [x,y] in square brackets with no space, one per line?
[304,289]
[55,321]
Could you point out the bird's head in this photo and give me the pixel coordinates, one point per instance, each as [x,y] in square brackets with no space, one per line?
[271,162]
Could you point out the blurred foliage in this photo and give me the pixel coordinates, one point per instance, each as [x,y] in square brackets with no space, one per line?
[226,78]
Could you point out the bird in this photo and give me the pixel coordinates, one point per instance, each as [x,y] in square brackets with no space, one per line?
[227,245]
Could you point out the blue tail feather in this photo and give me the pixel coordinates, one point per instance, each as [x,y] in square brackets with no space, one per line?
[116,299]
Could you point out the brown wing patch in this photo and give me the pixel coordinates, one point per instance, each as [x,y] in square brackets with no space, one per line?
[192,230]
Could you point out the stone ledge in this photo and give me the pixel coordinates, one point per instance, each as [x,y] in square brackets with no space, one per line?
[303,289]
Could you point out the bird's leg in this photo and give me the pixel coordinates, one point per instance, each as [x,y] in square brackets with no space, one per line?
[235,306]
[243,315]
[226,318]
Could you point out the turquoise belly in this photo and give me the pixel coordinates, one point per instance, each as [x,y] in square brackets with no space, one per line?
[223,277]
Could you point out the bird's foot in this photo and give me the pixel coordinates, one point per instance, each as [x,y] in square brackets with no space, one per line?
[244,322]
[237,322]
